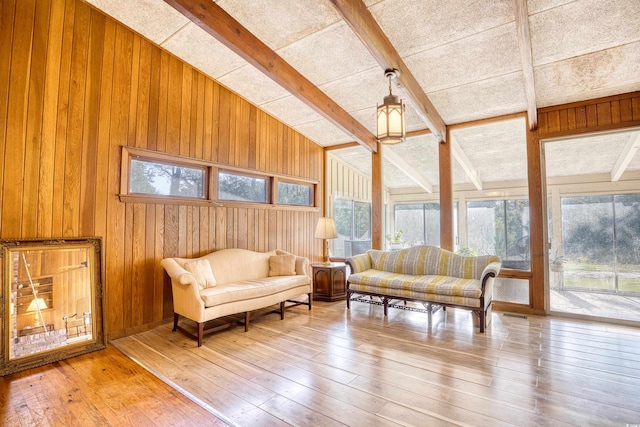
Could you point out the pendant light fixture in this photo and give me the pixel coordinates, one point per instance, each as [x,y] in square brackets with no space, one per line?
[391,125]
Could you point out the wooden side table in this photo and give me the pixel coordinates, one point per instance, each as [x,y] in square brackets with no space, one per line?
[329,281]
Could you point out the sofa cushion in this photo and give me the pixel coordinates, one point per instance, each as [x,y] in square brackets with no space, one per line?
[234,265]
[282,265]
[383,281]
[425,260]
[250,289]
[201,269]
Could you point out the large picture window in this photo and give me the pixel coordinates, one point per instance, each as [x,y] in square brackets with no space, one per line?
[500,227]
[353,223]
[419,223]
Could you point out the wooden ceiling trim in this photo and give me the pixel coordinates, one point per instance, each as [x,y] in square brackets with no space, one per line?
[224,28]
[524,42]
[364,25]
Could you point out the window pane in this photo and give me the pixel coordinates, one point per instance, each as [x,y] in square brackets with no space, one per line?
[628,242]
[485,227]
[587,233]
[432,221]
[242,188]
[409,219]
[294,194]
[361,241]
[342,217]
[517,234]
[147,177]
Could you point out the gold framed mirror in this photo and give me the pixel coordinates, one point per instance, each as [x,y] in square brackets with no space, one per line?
[51,302]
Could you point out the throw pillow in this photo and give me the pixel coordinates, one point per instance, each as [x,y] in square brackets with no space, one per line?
[282,265]
[202,271]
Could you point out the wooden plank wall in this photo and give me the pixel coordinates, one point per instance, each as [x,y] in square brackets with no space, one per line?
[75,86]
[613,112]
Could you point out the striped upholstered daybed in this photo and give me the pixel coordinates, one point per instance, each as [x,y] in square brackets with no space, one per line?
[436,277]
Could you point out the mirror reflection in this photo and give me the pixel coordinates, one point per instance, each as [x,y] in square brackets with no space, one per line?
[50,299]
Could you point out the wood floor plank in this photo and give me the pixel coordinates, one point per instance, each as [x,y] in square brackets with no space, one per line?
[336,367]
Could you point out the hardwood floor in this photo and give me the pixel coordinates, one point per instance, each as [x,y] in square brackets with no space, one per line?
[104,388]
[332,367]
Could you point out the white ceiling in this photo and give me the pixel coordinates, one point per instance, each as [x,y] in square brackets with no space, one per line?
[463,53]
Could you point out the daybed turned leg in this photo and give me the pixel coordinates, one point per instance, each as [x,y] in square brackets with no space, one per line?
[281,310]
[200,333]
[310,300]
[176,316]
[246,320]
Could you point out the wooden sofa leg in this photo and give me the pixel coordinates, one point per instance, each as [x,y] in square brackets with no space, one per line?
[246,320]
[310,300]
[281,310]
[176,316]
[386,306]
[200,333]
[482,320]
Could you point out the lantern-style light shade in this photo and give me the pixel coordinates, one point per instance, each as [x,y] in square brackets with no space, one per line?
[391,123]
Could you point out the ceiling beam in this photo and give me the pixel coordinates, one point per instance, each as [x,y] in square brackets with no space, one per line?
[630,149]
[395,159]
[224,28]
[524,43]
[463,160]
[364,25]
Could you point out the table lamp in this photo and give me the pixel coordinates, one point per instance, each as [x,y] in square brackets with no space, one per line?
[326,229]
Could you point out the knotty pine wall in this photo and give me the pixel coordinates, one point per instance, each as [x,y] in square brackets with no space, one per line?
[75,87]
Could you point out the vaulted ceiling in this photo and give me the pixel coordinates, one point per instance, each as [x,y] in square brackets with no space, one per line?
[318,66]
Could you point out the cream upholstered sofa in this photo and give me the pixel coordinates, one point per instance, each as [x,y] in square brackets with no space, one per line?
[428,274]
[232,281]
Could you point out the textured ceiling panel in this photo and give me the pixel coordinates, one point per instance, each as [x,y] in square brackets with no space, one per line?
[487,98]
[561,33]
[497,151]
[279,23]
[362,90]
[602,73]
[296,111]
[491,53]
[421,153]
[323,133]
[417,25]
[195,46]
[577,156]
[253,85]
[341,54]
[153,19]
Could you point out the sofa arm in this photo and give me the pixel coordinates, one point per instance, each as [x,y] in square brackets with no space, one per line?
[491,270]
[359,263]
[185,291]
[302,266]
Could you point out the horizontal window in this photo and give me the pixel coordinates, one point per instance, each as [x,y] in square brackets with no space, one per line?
[290,193]
[245,188]
[154,177]
[150,177]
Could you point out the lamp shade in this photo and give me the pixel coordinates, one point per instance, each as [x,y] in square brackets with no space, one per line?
[326,229]
[37,304]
